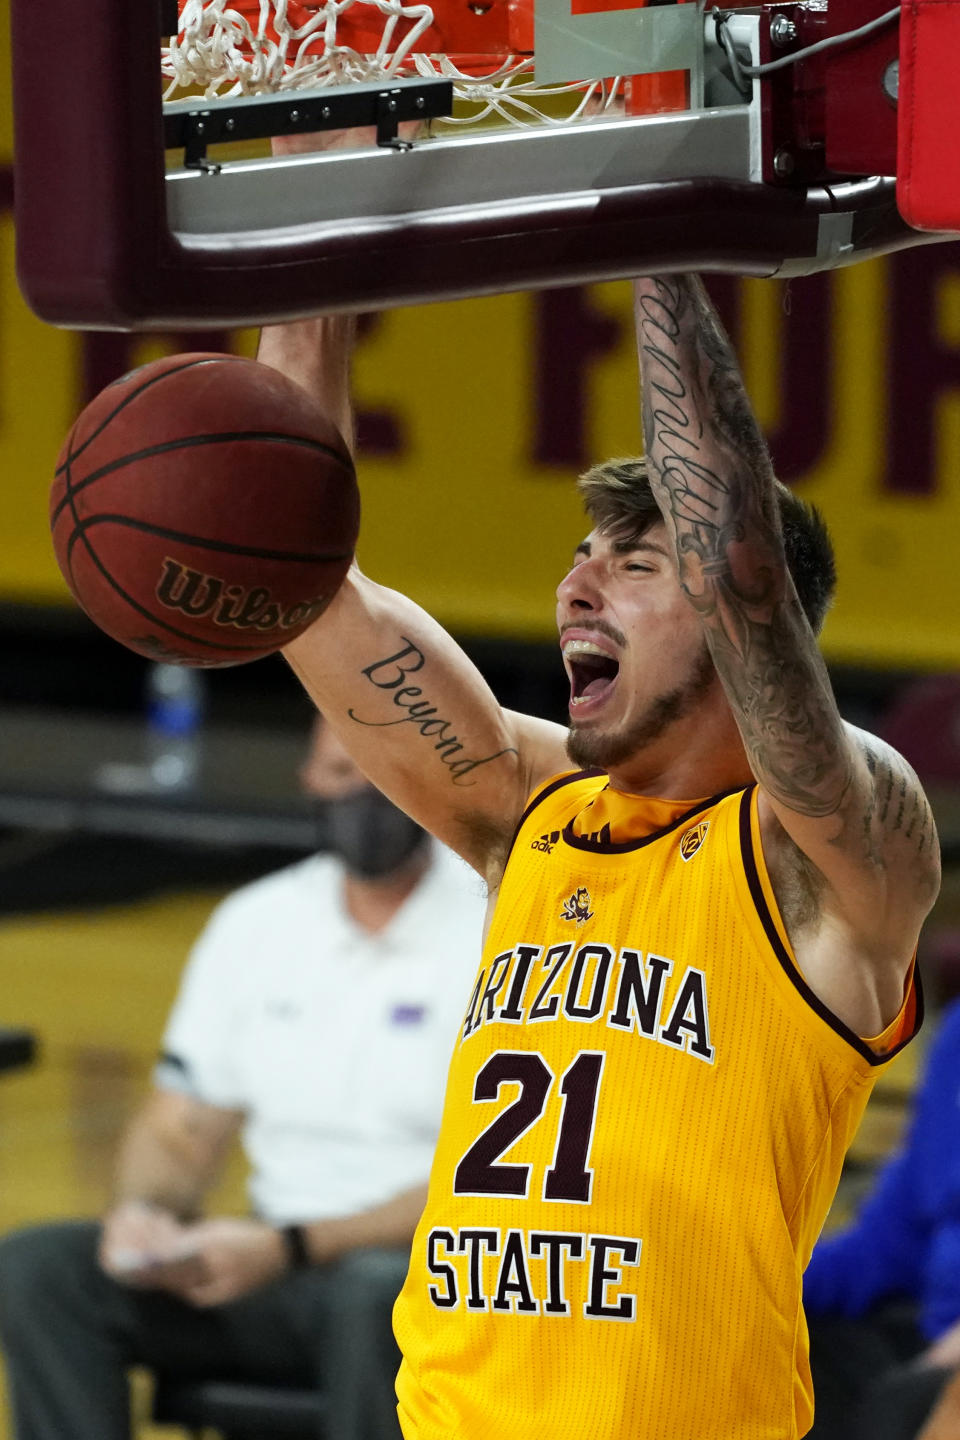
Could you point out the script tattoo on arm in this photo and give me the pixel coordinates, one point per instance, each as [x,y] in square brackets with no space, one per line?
[410,705]
[898,808]
[712,477]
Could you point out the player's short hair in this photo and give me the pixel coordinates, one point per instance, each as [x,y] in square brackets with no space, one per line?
[618,498]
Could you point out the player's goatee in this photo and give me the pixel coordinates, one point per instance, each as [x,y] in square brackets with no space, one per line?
[605,748]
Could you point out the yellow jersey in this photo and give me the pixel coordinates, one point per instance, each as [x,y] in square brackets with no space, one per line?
[646,1116]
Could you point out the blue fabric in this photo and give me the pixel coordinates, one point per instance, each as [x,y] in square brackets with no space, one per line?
[906,1240]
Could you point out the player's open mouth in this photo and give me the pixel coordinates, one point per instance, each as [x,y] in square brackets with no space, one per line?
[593,672]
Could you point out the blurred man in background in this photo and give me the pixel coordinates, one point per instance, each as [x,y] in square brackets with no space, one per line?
[315,1019]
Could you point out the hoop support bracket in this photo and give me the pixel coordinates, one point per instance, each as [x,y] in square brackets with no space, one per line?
[140,253]
[194,126]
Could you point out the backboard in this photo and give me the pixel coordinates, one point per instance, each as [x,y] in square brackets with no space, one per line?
[129,216]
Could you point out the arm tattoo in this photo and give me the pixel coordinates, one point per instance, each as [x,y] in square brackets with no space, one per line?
[712,477]
[411,706]
[897,810]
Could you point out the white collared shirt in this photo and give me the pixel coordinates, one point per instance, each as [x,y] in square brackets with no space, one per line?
[333,1042]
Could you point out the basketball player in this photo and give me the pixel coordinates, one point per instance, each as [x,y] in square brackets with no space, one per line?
[705,898]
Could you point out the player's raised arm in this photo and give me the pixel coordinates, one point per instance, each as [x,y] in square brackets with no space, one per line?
[409,705]
[851,805]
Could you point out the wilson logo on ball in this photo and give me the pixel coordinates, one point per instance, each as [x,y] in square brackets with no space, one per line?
[196,594]
[232,466]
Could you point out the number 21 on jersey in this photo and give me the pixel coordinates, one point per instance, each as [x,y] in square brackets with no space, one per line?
[568,1178]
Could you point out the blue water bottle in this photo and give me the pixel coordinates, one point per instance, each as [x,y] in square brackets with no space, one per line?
[175,706]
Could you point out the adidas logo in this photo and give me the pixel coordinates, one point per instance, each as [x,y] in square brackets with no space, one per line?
[546,842]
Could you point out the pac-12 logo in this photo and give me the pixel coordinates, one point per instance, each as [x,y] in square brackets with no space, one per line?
[691,840]
[577,907]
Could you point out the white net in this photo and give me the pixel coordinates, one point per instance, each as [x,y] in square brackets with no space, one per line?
[226,51]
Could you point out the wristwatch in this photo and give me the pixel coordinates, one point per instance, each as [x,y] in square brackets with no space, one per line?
[294,1238]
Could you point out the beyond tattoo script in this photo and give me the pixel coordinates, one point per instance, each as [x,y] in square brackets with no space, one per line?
[389,674]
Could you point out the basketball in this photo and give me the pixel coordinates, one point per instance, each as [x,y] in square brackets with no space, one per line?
[204,510]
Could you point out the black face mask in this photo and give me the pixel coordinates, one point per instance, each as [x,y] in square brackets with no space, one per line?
[368,833]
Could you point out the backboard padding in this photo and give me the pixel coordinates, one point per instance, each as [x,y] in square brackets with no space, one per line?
[96,247]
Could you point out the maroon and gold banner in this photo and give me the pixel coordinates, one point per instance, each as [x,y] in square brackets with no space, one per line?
[476,416]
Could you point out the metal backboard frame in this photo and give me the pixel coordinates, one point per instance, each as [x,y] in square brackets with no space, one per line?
[107,239]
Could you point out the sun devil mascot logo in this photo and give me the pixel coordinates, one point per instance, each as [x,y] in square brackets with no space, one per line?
[577,907]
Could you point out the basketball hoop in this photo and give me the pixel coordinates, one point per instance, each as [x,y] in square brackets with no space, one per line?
[781,160]
[229,48]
